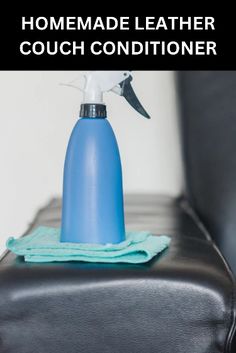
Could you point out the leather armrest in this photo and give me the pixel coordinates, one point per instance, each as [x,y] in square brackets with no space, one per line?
[183,301]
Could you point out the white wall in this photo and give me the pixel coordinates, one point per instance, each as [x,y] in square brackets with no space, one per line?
[36,118]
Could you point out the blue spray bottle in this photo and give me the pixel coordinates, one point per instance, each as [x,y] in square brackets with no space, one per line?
[92,208]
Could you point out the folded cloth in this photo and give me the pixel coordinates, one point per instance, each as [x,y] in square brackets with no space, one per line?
[43,245]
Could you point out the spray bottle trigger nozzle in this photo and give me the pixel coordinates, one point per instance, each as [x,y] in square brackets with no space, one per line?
[128,93]
[97,82]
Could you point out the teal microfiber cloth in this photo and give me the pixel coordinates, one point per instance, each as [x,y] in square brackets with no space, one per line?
[43,245]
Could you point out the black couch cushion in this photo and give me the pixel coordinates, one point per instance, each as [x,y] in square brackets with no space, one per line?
[181,302]
[208,102]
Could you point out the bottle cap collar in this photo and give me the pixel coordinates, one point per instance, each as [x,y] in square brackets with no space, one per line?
[92,110]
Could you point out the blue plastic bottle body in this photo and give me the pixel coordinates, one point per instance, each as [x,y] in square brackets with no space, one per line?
[92,210]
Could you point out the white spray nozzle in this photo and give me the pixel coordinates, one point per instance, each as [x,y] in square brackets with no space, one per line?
[98,82]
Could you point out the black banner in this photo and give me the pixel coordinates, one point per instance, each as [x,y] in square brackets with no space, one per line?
[152,41]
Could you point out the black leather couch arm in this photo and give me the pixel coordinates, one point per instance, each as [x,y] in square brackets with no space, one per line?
[183,301]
